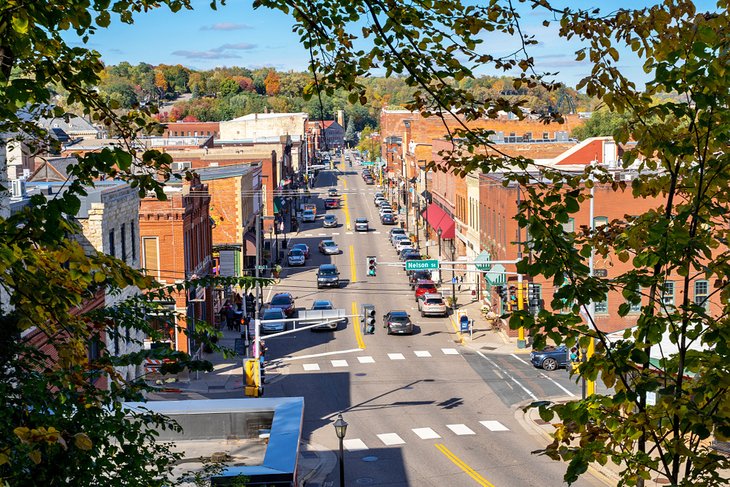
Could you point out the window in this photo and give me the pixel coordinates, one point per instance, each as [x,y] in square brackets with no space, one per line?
[668,294]
[601,307]
[545,136]
[112,250]
[599,221]
[134,240]
[569,227]
[150,256]
[702,293]
[123,238]
[635,307]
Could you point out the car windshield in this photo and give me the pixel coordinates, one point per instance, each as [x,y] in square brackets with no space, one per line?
[281,299]
[328,243]
[399,318]
[321,305]
[272,314]
[308,212]
[329,217]
[296,253]
[327,272]
[426,286]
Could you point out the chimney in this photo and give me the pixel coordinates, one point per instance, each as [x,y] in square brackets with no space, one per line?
[341,118]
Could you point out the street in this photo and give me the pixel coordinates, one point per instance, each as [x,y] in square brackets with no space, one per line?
[423,410]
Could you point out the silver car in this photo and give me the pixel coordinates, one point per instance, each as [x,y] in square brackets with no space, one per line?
[308,216]
[433,305]
[296,257]
[328,247]
[269,323]
[361,225]
[330,221]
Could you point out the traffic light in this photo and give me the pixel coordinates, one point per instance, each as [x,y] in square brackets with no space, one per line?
[372,263]
[369,318]
[534,298]
[512,298]
[501,292]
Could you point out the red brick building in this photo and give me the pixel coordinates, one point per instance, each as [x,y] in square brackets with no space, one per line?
[192,129]
[176,245]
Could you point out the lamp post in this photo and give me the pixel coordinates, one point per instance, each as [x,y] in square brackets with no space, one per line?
[438,232]
[341,429]
[453,276]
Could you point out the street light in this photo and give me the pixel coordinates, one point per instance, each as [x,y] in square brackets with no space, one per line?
[438,232]
[341,429]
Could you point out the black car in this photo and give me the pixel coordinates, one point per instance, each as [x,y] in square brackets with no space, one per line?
[398,322]
[387,219]
[283,301]
[409,254]
[415,276]
[550,358]
[328,276]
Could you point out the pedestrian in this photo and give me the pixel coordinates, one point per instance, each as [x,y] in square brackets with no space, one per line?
[239,302]
[262,360]
[224,315]
[231,318]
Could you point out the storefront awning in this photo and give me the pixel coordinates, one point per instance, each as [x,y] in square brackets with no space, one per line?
[278,204]
[439,219]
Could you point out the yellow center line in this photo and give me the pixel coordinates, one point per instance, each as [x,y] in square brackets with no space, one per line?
[457,329]
[466,468]
[344,206]
[356,325]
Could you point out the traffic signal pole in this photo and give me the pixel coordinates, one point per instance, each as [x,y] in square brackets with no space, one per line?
[521,342]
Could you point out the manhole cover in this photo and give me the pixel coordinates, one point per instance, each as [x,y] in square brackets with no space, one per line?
[370,458]
[365,481]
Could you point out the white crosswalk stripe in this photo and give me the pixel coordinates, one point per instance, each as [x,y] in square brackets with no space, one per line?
[422,353]
[460,429]
[426,433]
[450,351]
[310,367]
[494,426]
[367,359]
[354,444]
[396,356]
[348,233]
[336,233]
[376,233]
[390,439]
[339,363]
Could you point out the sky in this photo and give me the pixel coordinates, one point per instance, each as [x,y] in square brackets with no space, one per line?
[238,35]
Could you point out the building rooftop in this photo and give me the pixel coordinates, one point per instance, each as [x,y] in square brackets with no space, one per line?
[263,116]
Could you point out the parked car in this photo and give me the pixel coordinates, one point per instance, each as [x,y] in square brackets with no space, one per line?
[284,302]
[310,206]
[330,221]
[379,200]
[387,219]
[328,276]
[415,276]
[369,181]
[361,225]
[308,216]
[303,247]
[332,193]
[424,287]
[273,326]
[398,322]
[328,247]
[398,237]
[323,304]
[433,305]
[403,244]
[332,203]
[409,254]
[550,358]
[296,257]
[395,231]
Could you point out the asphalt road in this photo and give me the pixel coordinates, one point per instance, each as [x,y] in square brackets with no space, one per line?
[422,410]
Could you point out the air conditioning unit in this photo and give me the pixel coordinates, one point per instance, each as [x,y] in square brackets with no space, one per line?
[182,166]
[18,188]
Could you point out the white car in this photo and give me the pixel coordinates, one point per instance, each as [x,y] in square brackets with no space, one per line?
[403,243]
[432,305]
[361,225]
[397,238]
[296,257]
[383,211]
[308,216]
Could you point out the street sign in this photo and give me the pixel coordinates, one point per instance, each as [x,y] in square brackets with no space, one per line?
[495,276]
[367,163]
[481,261]
[422,265]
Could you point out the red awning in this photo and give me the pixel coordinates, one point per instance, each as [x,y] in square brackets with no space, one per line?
[439,219]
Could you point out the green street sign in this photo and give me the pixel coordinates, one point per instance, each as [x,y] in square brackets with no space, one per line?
[422,265]
[482,261]
[367,163]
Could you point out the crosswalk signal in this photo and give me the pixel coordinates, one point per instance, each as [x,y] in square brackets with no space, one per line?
[372,263]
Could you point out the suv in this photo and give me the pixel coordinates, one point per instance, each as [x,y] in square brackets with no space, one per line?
[433,304]
[550,358]
[424,286]
[361,225]
[328,276]
[283,301]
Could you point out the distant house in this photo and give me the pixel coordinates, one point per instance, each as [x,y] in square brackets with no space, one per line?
[52,170]
[71,126]
[328,134]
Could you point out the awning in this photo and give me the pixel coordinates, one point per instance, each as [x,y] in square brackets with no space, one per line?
[439,219]
[250,240]
[278,204]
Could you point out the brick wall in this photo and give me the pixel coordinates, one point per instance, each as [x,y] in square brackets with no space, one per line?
[263,126]
[191,129]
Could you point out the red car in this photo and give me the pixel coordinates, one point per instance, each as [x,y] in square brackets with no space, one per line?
[332,203]
[425,286]
[285,302]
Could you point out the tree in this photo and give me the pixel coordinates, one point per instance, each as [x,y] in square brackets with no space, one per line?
[229,87]
[682,152]
[350,135]
[368,144]
[602,123]
[56,426]
[272,83]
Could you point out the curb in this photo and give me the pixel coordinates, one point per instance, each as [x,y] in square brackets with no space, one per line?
[600,472]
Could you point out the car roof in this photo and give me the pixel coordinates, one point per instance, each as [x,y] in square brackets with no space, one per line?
[425,281]
[302,245]
[325,267]
[309,210]
[322,302]
[296,250]
[273,310]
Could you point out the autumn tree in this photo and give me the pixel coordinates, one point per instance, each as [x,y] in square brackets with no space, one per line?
[680,160]
[272,83]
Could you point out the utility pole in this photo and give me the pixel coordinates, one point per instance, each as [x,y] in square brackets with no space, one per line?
[257,320]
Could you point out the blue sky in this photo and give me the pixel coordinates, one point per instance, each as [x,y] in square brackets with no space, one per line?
[238,35]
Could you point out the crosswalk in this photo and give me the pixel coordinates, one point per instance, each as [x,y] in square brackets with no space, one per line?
[368,359]
[425,433]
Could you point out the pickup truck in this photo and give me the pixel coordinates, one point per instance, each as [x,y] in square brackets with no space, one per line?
[310,206]
[311,316]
